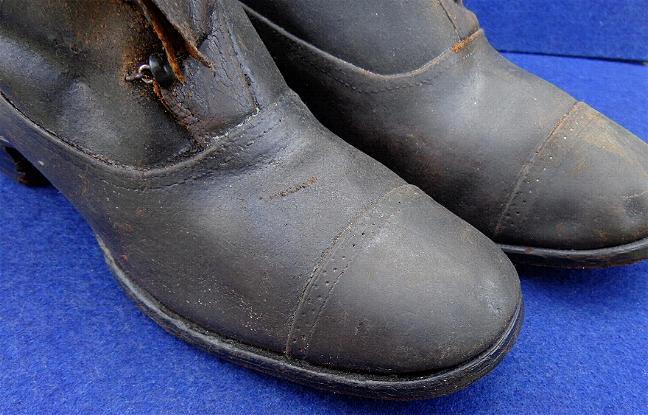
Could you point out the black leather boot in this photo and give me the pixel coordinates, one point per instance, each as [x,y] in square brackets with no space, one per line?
[417,85]
[232,217]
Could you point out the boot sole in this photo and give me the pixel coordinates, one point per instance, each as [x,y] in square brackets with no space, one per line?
[593,258]
[393,387]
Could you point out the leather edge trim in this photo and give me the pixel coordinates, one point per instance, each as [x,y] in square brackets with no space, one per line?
[618,255]
[479,33]
[134,172]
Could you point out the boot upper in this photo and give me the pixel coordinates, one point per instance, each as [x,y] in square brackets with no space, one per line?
[260,226]
[513,155]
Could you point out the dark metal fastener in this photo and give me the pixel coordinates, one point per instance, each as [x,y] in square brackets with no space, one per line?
[157,70]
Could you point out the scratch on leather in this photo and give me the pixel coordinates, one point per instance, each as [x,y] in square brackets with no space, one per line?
[296,188]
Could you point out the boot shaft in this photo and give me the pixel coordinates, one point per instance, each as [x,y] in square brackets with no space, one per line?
[384,36]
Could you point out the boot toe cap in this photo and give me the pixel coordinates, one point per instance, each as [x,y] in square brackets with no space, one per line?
[415,289]
[585,188]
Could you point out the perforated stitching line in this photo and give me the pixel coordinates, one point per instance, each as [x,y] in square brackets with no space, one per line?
[308,295]
[505,219]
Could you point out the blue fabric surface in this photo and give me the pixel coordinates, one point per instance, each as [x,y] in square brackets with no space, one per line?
[73,343]
[615,29]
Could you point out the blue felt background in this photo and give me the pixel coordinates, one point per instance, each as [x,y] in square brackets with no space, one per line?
[596,28]
[73,343]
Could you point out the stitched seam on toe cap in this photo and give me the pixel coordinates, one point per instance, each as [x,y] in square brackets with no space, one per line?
[332,267]
[523,185]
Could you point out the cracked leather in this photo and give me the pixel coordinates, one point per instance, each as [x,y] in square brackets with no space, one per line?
[416,85]
[224,199]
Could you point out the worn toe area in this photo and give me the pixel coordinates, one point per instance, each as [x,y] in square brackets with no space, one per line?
[586,187]
[407,288]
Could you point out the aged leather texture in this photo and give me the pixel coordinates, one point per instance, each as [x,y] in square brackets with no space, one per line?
[513,155]
[223,199]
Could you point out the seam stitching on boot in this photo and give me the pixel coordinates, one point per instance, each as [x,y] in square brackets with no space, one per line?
[502,222]
[232,134]
[326,260]
[433,64]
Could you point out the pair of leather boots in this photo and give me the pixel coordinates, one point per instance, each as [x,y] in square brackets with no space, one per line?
[239,223]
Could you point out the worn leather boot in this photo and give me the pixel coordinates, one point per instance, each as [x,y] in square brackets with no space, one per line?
[231,216]
[416,85]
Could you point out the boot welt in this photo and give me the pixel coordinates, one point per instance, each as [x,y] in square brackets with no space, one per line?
[566,258]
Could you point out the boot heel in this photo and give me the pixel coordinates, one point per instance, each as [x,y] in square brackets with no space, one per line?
[16,166]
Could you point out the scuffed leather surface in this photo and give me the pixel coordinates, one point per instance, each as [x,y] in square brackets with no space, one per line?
[583,319]
[389,283]
[563,198]
[189,234]
[462,127]
[230,236]
[55,55]
[215,97]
